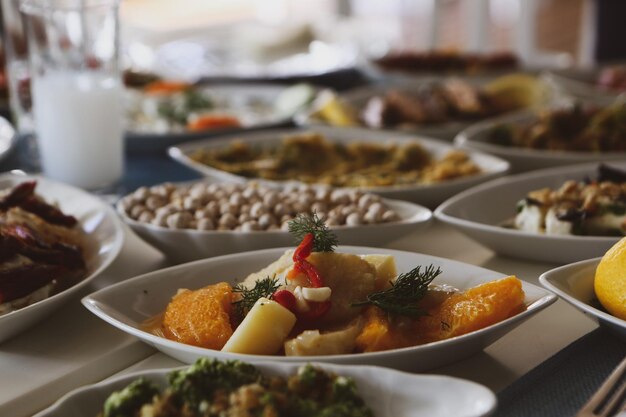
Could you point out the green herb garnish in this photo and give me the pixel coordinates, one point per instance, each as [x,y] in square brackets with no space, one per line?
[262,288]
[323,239]
[404,294]
[196,385]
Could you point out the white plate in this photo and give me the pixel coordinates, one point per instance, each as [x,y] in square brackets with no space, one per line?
[389,393]
[100,223]
[426,194]
[524,159]
[582,84]
[128,304]
[574,284]
[235,99]
[478,212]
[359,97]
[183,245]
[219,56]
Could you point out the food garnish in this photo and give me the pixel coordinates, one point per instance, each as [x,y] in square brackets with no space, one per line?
[405,293]
[232,388]
[323,239]
[263,288]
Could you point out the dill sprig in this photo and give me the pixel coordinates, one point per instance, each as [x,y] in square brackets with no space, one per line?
[404,294]
[262,288]
[324,240]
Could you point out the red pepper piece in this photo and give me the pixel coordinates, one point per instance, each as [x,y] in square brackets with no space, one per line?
[301,265]
[286,299]
[304,249]
[311,271]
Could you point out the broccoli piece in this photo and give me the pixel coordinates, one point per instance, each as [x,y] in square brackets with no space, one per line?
[128,402]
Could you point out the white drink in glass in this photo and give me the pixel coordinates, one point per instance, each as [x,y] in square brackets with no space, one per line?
[78,120]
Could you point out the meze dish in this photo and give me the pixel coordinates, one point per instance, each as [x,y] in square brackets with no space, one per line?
[576,128]
[593,206]
[556,215]
[386,392]
[197,220]
[55,239]
[313,301]
[436,105]
[233,388]
[42,249]
[315,159]
[178,108]
[433,179]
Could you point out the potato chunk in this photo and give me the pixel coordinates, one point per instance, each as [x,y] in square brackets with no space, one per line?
[263,331]
[312,342]
[385,269]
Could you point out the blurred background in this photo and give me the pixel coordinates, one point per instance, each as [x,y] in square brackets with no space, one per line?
[192,40]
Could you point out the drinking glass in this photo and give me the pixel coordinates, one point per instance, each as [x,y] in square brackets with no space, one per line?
[76,90]
[16,58]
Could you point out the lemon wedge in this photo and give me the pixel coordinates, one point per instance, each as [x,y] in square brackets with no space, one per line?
[516,91]
[329,108]
[610,280]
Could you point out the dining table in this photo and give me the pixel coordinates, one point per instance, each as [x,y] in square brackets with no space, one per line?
[547,366]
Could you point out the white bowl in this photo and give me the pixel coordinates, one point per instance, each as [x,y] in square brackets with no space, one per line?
[574,284]
[389,393]
[479,212]
[524,159]
[126,305]
[102,227]
[426,194]
[183,245]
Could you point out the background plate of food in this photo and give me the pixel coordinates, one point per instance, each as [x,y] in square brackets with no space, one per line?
[356,311]
[392,164]
[442,62]
[602,85]
[437,106]
[556,215]
[198,220]
[380,392]
[56,239]
[256,52]
[561,136]
[163,113]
